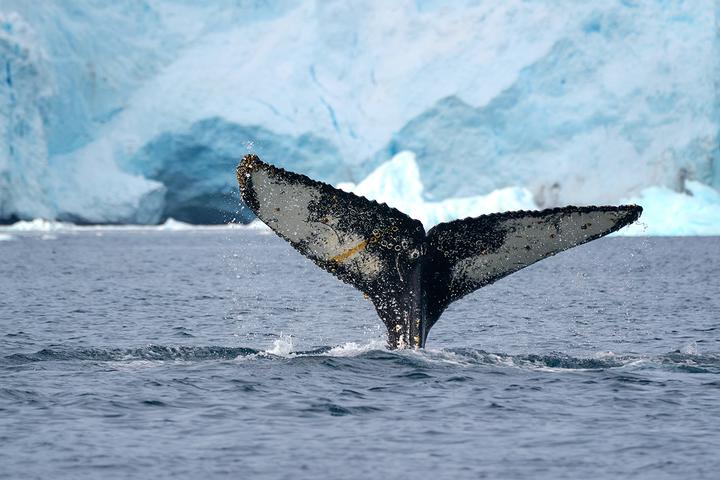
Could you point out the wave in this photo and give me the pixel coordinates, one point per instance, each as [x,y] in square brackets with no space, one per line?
[150,352]
[557,361]
[375,351]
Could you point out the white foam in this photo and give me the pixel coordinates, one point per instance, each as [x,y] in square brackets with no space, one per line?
[6,238]
[604,355]
[441,356]
[284,346]
[353,349]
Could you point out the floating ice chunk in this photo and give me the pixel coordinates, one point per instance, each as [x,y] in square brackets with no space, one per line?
[38,225]
[398,183]
[671,213]
[172,224]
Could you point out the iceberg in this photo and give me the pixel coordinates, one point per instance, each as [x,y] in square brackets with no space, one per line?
[694,211]
[136,111]
[398,184]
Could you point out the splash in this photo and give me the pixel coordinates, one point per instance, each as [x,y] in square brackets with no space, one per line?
[689,349]
[282,347]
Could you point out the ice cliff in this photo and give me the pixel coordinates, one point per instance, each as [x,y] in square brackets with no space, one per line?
[136,111]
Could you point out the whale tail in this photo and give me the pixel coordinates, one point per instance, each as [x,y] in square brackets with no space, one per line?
[411,276]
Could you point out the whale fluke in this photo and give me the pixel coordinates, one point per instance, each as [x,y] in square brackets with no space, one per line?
[411,276]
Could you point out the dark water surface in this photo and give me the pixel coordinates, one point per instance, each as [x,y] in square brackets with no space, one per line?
[223,353]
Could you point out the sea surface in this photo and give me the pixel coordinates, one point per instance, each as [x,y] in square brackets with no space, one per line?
[222,353]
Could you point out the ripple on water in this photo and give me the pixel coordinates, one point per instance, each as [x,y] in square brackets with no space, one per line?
[337,410]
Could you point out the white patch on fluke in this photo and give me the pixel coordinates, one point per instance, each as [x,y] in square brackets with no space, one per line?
[530,239]
[285,207]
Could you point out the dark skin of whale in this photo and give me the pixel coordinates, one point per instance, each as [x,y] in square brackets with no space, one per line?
[411,275]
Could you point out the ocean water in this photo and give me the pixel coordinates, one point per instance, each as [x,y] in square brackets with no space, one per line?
[221,353]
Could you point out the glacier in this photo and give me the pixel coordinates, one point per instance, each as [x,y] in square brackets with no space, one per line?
[137,111]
